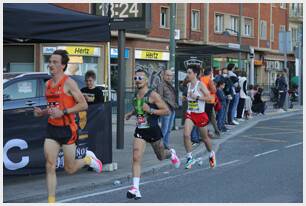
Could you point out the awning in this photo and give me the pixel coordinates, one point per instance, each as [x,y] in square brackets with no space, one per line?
[209,49]
[41,23]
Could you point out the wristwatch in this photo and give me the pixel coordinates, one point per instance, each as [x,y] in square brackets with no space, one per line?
[152,111]
[65,112]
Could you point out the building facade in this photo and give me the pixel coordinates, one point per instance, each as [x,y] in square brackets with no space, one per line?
[197,24]
[296,28]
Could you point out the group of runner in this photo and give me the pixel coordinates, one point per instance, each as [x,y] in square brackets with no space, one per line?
[65,99]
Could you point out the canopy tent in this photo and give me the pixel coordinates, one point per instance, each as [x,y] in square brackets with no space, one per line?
[209,49]
[41,23]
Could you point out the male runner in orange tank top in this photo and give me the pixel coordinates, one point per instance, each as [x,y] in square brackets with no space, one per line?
[64,100]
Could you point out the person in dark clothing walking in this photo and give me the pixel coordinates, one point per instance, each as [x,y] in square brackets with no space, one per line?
[282,89]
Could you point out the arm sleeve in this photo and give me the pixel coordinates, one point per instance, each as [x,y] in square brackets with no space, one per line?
[245,87]
[160,90]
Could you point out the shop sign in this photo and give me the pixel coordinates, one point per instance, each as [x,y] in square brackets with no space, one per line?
[48,50]
[234,46]
[152,55]
[81,51]
[258,62]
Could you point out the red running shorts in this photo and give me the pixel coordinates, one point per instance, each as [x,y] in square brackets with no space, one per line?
[198,119]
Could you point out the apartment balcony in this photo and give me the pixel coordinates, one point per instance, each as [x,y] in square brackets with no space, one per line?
[295,16]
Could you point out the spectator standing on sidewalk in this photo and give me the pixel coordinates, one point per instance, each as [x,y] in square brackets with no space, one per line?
[168,94]
[92,94]
[228,91]
[282,89]
[206,79]
[222,98]
[248,103]
[234,103]
[243,94]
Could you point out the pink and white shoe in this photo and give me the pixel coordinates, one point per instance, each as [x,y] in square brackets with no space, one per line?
[174,159]
[95,163]
[133,193]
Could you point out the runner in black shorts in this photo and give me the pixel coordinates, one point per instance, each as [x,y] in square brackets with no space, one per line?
[148,106]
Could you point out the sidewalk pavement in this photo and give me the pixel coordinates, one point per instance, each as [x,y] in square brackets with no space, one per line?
[33,188]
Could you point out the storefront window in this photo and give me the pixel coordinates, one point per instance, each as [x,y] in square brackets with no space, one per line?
[18,58]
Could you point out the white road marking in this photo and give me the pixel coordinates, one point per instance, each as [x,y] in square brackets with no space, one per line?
[268,152]
[293,145]
[264,139]
[143,183]
[276,128]
[228,163]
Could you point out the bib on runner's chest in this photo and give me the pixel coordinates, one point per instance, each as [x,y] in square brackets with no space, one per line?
[142,116]
[193,105]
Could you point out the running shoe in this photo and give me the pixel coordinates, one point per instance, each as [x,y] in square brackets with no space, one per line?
[174,159]
[95,163]
[189,163]
[212,161]
[133,193]
[235,122]
[195,144]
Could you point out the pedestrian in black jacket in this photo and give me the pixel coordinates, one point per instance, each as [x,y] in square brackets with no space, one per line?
[282,90]
[258,106]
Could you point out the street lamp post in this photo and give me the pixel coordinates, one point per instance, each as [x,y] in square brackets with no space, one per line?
[239,42]
[238,34]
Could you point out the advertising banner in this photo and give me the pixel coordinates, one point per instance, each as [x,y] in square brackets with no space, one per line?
[23,142]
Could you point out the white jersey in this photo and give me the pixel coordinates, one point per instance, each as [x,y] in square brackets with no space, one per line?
[196,106]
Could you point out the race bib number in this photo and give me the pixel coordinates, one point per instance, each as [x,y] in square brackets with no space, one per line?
[53,105]
[193,105]
[142,122]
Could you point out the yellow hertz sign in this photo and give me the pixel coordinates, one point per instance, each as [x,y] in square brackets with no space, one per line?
[84,51]
[152,55]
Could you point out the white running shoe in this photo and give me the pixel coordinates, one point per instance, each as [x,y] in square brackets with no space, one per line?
[235,122]
[174,159]
[212,161]
[95,163]
[133,193]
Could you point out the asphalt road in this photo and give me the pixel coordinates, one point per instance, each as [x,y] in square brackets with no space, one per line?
[263,164]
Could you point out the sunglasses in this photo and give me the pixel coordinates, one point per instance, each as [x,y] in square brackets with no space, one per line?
[139,78]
